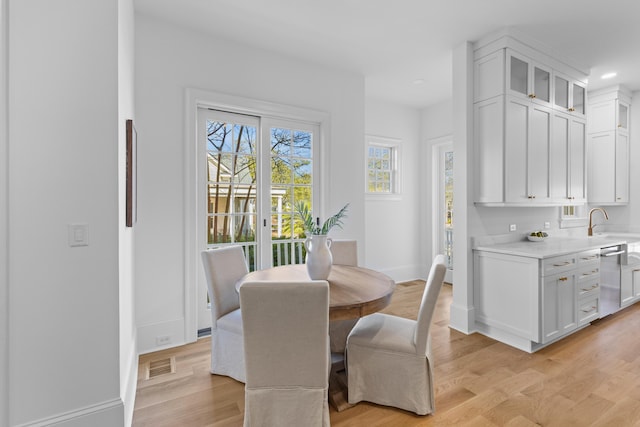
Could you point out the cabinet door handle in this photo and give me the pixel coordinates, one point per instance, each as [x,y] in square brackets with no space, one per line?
[563,279]
[593,307]
[562,264]
[572,109]
[635,271]
[532,95]
[589,274]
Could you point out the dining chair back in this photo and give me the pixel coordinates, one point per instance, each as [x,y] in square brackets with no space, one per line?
[223,267]
[344,252]
[428,304]
[389,357]
[286,352]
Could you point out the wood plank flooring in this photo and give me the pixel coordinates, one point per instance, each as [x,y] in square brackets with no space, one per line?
[591,378]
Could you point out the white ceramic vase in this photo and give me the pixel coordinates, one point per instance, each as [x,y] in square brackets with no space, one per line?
[318,257]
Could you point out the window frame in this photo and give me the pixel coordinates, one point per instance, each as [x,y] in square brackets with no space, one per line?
[396,154]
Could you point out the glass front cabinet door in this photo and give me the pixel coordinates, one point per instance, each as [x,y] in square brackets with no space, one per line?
[525,78]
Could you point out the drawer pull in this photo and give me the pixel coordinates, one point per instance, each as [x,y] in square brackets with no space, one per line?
[593,307]
[591,288]
[587,258]
[636,270]
[562,264]
[590,273]
[563,279]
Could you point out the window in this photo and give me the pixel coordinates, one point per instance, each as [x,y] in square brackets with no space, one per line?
[382,166]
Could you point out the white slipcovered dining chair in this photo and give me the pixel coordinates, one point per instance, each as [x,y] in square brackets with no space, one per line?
[223,267]
[343,252]
[286,353]
[389,357]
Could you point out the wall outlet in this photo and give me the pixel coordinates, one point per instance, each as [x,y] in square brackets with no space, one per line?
[163,340]
[513,227]
[547,225]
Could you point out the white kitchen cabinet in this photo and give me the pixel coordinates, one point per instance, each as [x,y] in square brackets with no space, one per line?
[559,301]
[569,95]
[629,285]
[528,132]
[567,159]
[608,163]
[528,79]
[521,159]
[528,302]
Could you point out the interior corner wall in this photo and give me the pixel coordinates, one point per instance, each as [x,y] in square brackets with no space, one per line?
[404,262]
[127,326]
[4,225]
[63,169]
[171,59]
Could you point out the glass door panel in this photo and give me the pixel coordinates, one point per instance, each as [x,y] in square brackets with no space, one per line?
[561,98]
[578,98]
[519,75]
[231,184]
[542,84]
[291,183]
[623,116]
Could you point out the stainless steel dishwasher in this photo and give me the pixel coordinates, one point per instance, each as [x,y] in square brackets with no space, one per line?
[611,258]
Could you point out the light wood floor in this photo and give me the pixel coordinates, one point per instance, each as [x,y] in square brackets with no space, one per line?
[591,378]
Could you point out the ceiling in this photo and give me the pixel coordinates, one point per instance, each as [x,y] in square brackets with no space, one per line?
[394,44]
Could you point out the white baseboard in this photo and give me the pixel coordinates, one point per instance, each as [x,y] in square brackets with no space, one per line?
[403,273]
[129,397]
[147,335]
[105,414]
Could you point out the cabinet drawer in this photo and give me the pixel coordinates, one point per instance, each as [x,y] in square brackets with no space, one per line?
[588,289]
[588,310]
[588,274]
[558,264]
[588,258]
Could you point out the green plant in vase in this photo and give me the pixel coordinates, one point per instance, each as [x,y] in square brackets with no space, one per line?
[317,244]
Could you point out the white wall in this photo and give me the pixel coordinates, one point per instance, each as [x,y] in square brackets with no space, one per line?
[127,331]
[64,141]
[4,226]
[169,60]
[393,240]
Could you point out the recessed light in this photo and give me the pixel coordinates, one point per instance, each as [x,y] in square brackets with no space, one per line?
[418,81]
[608,75]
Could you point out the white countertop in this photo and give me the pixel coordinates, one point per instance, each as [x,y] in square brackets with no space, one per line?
[553,246]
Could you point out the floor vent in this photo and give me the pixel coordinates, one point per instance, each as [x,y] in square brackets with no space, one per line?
[156,368]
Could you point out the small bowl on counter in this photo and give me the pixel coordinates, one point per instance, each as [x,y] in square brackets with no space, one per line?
[537,236]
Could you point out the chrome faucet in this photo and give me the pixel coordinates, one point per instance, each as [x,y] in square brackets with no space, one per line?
[591,224]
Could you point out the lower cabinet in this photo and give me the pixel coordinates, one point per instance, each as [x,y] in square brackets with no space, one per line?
[528,302]
[629,285]
[559,314]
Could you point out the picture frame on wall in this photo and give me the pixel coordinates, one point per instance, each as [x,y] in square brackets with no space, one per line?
[132,161]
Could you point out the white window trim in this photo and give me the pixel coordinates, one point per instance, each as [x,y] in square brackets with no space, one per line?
[396,171]
[197,98]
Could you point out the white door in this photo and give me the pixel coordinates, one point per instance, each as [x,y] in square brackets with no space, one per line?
[443,204]
[253,171]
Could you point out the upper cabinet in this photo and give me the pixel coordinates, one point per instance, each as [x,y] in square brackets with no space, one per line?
[529,127]
[609,146]
[569,95]
[528,79]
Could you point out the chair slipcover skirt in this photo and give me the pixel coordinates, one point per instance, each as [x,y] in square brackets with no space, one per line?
[383,344]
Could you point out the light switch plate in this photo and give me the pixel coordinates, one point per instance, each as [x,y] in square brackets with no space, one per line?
[78,234]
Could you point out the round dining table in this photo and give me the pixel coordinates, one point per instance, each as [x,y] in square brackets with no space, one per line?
[353,291]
